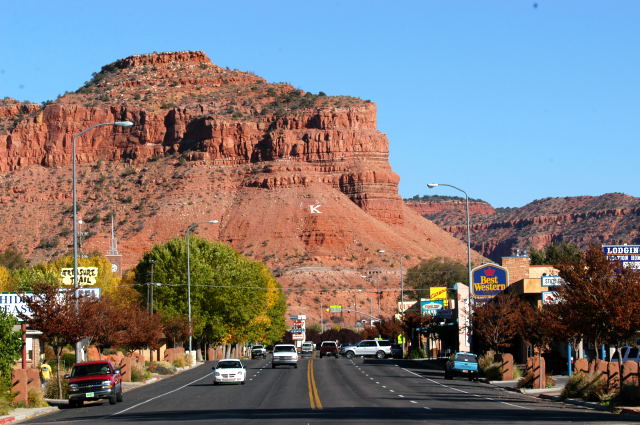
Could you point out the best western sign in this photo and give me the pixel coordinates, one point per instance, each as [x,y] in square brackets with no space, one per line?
[488,280]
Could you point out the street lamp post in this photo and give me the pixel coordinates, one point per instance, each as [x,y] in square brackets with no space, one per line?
[189,229]
[75,214]
[382,251]
[378,292]
[466,197]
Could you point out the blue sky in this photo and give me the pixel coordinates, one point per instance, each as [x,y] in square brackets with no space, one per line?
[510,100]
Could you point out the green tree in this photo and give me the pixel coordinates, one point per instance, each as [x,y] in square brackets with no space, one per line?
[10,346]
[233,299]
[554,254]
[12,259]
[437,271]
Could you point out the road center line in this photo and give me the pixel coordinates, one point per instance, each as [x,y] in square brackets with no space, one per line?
[161,395]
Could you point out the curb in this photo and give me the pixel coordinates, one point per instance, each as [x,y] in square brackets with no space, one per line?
[7,419]
[575,402]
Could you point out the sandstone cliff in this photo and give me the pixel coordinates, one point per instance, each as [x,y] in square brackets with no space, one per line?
[612,218]
[299,180]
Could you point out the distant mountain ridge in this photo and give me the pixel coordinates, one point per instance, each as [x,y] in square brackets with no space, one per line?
[611,218]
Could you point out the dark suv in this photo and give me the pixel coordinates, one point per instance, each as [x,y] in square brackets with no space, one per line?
[93,381]
[329,348]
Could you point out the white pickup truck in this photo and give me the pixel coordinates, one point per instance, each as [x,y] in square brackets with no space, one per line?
[258,351]
[378,348]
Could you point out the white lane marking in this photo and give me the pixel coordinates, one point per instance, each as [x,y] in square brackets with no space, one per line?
[377,382]
[427,408]
[414,402]
[392,391]
[371,379]
[456,389]
[384,386]
[515,405]
[400,395]
[162,395]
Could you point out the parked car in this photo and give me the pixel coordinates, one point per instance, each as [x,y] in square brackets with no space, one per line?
[94,381]
[307,349]
[628,354]
[258,351]
[378,348]
[329,348]
[284,354]
[229,371]
[462,363]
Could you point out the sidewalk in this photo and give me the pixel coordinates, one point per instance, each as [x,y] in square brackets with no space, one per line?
[20,414]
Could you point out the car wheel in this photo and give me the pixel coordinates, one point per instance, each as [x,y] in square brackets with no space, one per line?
[120,397]
[295,366]
[72,404]
[350,354]
[243,382]
[447,375]
[380,355]
[273,366]
[320,355]
[215,383]
[113,398]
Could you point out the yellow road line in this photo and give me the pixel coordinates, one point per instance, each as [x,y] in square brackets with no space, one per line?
[314,397]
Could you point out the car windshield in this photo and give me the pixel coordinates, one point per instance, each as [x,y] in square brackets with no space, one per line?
[384,343]
[90,369]
[284,348]
[465,357]
[329,344]
[257,347]
[229,365]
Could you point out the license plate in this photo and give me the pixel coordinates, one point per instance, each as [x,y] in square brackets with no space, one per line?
[88,395]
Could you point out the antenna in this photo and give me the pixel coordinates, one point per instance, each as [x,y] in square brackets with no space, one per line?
[114,241]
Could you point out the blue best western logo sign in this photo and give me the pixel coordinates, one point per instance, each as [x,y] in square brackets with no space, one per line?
[488,280]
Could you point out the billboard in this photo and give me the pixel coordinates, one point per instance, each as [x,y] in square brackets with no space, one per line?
[86,276]
[488,280]
[430,307]
[628,255]
[438,293]
[549,297]
[552,281]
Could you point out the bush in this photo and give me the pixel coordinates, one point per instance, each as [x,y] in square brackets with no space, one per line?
[139,374]
[68,360]
[181,361]
[36,398]
[5,404]
[489,368]
[527,381]
[585,386]
[416,353]
[162,368]
[51,389]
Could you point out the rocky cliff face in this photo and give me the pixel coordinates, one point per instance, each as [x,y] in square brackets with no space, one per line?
[608,219]
[298,180]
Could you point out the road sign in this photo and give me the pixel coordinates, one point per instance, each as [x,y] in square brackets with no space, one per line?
[335,308]
[552,281]
[438,293]
[297,337]
[549,297]
[86,276]
[431,307]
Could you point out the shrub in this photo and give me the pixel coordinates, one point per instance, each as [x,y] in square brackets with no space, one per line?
[51,389]
[416,353]
[68,360]
[489,368]
[181,361]
[585,386]
[527,381]
[139,374]
[36,398]
[5,403]
[162,368]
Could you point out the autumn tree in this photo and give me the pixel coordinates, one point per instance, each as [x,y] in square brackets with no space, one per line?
[176,329]
[52,312]
[497,322]
[434,272]
[600,299]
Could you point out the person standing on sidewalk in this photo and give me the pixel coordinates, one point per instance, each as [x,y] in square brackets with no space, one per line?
[45,373]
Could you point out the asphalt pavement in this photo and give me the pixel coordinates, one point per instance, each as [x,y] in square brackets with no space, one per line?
[327,391]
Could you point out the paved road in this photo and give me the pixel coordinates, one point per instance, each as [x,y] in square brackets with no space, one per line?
[328,391]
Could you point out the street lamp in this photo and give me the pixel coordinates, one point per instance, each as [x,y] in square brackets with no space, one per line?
[75,213]
[377,291]
[466,197]
[189,229]
[382,251]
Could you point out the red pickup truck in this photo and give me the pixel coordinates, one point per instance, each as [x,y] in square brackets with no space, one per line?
[93,381]
[329,348]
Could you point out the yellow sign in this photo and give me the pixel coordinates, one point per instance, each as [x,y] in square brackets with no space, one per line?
[86,276]
[438,293]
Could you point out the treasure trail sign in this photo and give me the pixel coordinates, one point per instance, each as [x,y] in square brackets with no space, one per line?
[488,280]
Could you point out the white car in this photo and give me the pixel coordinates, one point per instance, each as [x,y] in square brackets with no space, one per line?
[229,371]
[284,354]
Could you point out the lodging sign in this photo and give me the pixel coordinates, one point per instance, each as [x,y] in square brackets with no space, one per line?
[628,255]
[488,280]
